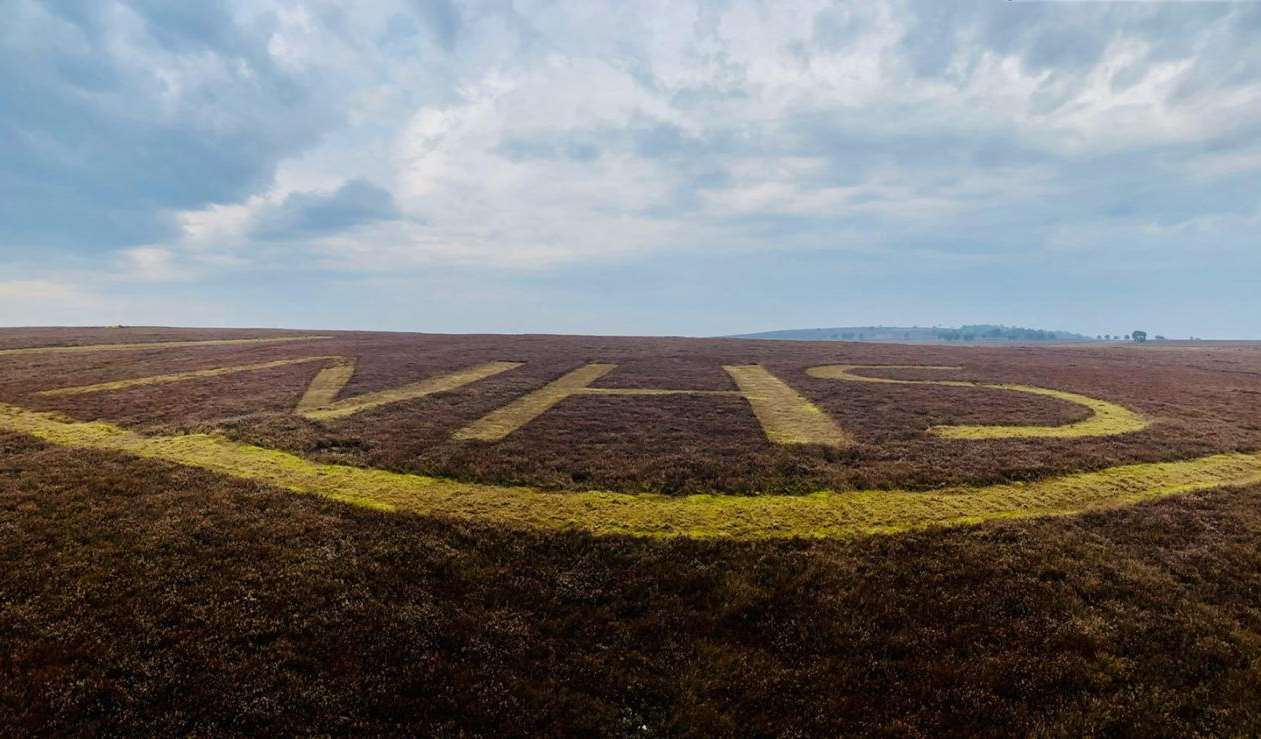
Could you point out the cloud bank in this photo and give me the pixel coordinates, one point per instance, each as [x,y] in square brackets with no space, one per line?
[537,144]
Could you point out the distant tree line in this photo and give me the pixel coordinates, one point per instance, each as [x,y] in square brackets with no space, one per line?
[985,332]
[1138,336]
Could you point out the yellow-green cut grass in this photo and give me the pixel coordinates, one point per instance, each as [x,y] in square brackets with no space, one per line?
[324,389]
[152,345]
[178,377]
[1106,418]
[327,385]
[824,514]
[786,417]
[502,421]
[649,391]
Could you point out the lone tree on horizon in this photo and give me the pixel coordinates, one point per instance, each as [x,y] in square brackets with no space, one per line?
[1140,336]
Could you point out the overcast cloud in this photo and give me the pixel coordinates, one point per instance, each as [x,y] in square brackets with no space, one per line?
[671,167]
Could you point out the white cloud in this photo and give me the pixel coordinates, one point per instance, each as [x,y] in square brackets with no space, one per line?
[40,290]
[151,263]
[535,162]
[44,301]
[538,135]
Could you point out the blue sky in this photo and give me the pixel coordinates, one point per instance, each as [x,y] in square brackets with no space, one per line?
[671,167]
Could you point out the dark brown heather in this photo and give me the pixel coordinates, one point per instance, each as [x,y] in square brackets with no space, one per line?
[143,598]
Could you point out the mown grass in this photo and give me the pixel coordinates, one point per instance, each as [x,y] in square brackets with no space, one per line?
[824,514]
[786,417]
[324,390]
[1105,418]
[189,376]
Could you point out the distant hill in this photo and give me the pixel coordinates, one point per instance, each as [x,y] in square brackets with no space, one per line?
[973,334]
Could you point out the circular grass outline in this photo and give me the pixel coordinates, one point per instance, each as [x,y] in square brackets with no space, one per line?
[820,515]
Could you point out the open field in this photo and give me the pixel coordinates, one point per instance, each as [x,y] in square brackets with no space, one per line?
[1198,403]
[625,536]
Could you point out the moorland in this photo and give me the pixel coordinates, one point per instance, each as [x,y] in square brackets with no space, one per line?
[141,595]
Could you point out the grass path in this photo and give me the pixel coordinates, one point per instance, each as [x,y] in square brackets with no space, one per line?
[1106,419]
[318,401]
[786,416]
[824,514]
[177,377]
[501,422]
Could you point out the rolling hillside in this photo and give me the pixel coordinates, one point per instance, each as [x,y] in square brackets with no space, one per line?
[981,333]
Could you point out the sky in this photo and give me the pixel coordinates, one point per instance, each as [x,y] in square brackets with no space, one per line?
[673,167]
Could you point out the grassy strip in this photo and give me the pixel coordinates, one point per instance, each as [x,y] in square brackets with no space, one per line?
[178,377]
[324,389]
[319,401]
[503,421]
[825,514]
[152,345]
[326,386]
[786,416]
[1106,419]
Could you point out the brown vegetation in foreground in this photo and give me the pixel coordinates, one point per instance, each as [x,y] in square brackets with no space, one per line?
[1202,399]
[142,598]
